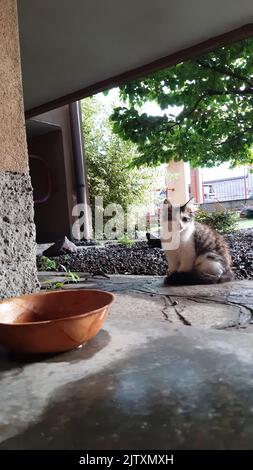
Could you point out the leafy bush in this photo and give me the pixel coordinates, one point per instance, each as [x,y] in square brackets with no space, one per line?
[46,264]
[69,278]
[222,220]
[125,240]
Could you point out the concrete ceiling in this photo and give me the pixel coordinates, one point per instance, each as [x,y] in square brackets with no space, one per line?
[67,45]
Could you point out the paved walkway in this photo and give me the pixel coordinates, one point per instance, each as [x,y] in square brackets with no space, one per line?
[172,368]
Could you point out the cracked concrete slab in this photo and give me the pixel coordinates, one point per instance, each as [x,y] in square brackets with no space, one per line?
[148,380]
[217,306]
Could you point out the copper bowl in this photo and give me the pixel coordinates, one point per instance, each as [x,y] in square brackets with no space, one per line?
[50,322]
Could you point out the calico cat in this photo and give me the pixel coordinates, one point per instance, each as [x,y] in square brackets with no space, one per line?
[202,256]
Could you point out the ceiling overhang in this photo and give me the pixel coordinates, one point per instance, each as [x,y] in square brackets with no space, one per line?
[70,50]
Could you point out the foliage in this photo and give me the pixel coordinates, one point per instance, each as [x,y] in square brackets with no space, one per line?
[222,220]
[109,159]
[208,110]
[46,264]
[69,278]
[125,240]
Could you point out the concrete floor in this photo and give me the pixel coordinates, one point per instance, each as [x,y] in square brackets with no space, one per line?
[171,369]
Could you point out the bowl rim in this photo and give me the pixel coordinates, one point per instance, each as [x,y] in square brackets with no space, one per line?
[56,320]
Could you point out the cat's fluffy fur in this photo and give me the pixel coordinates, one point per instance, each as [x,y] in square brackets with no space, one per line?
[202,257]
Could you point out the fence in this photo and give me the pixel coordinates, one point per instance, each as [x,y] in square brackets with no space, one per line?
[228,189]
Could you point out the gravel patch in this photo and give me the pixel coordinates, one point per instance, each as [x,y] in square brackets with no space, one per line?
[241,249]
[140,259]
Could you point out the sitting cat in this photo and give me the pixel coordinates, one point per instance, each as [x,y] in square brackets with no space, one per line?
[202,256]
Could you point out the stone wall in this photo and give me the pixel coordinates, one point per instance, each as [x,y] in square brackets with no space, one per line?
[17,231]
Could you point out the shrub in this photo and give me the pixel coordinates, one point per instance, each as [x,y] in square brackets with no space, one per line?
[222,220]
[125,240]
[46,264]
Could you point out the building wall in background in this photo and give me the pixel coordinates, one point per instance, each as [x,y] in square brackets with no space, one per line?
[60,117]
[50,137]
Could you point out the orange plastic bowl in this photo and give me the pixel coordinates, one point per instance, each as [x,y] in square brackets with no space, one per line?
[49,322]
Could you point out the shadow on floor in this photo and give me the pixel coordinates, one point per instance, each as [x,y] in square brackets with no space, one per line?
[166,395]
[9,361]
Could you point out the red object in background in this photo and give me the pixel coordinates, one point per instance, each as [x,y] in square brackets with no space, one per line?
[194,187]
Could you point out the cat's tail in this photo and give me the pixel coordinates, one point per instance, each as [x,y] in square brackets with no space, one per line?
[196,277]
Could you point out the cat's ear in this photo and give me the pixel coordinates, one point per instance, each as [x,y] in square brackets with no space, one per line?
[189,206]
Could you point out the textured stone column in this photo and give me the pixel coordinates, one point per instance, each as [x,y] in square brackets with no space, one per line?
[17,231]
[178,190]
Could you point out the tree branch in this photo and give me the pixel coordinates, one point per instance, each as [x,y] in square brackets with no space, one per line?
[233,138]
[187,113]
[226,71]
[246,91]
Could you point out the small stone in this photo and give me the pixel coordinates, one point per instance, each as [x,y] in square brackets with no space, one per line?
[61,247]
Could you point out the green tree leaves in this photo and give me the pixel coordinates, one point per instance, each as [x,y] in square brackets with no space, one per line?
[215,124]
[109,160]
